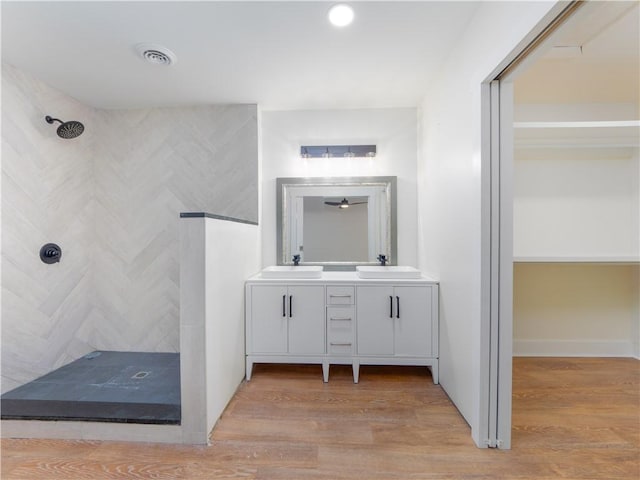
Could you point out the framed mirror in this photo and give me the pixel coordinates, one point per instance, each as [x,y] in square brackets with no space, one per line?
[336,222]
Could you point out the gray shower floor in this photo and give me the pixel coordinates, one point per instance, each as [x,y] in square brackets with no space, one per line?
[122,387]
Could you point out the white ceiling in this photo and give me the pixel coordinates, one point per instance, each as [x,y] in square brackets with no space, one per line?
[281,55]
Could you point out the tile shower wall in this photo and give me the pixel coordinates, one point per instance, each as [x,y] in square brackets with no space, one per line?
[111,198]
[151,165]
[47,192]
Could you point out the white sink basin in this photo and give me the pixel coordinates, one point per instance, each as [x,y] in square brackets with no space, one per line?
[390,271]
[292,271]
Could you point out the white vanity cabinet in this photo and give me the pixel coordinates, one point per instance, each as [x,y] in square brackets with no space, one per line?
[342,319]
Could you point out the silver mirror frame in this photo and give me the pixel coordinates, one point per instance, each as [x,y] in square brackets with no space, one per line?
[282,184]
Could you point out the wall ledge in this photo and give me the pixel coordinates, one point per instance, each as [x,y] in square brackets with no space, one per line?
[217,217]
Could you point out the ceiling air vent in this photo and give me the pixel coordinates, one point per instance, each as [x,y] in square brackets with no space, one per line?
[156,54]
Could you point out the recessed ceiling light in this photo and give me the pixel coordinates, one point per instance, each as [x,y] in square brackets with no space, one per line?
[341,15]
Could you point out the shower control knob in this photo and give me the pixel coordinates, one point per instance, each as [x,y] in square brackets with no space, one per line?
[50,253]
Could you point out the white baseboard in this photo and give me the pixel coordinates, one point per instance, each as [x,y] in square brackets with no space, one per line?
[573,348]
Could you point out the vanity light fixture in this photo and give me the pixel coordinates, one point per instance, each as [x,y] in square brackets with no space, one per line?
[341,15]
[336,151]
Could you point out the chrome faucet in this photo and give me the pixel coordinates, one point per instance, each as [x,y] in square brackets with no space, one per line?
[382,259]
[296,260]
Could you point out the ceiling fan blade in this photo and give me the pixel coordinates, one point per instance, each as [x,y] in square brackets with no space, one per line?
[334,204]
[357,203]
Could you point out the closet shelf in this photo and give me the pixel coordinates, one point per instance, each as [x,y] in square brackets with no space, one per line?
[592,134]
[626,260]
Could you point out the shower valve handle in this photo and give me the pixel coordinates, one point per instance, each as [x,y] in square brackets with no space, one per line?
[50,253]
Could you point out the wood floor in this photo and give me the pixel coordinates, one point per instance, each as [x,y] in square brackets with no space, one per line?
[573,419]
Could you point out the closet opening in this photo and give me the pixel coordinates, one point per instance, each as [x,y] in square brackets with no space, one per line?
[568,183]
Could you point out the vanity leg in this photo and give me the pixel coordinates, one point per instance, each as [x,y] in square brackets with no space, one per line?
[325,372]
[356,371]
[434,372]
[249,368]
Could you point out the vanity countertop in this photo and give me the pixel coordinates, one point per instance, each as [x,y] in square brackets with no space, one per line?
[343,278]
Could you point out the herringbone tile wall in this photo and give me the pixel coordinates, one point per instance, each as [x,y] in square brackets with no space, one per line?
[47,196]
[111,198]
[150,166]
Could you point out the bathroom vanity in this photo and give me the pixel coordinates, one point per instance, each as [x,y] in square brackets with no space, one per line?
[341,318]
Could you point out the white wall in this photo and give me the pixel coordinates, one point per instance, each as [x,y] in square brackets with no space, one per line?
[232,256]
[575,309]
[449,187]
[576,202]
[392,130]
[217,256]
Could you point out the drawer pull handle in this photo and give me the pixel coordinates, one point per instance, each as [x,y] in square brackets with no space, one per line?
[331,295]
[340,344]
[340,319]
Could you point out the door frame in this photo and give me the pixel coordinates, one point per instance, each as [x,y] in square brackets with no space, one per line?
[496,343]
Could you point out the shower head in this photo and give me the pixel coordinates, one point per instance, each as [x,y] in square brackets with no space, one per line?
[70,129]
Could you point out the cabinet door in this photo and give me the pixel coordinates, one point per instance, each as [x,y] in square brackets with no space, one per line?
[268,319]
[306,319]
[374,320]
[413,321]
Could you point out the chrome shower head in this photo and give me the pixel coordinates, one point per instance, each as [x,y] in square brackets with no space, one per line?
[70,129]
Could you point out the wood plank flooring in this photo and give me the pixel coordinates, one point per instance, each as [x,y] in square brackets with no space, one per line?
[573,419]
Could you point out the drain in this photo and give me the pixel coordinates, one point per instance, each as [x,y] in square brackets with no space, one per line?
[140,375]
[91,355]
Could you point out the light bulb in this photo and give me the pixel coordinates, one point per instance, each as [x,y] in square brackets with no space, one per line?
[341,15]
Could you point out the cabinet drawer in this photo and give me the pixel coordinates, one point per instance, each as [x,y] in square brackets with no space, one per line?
[338,295]
[340,330]
[340,348]
[340,334]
